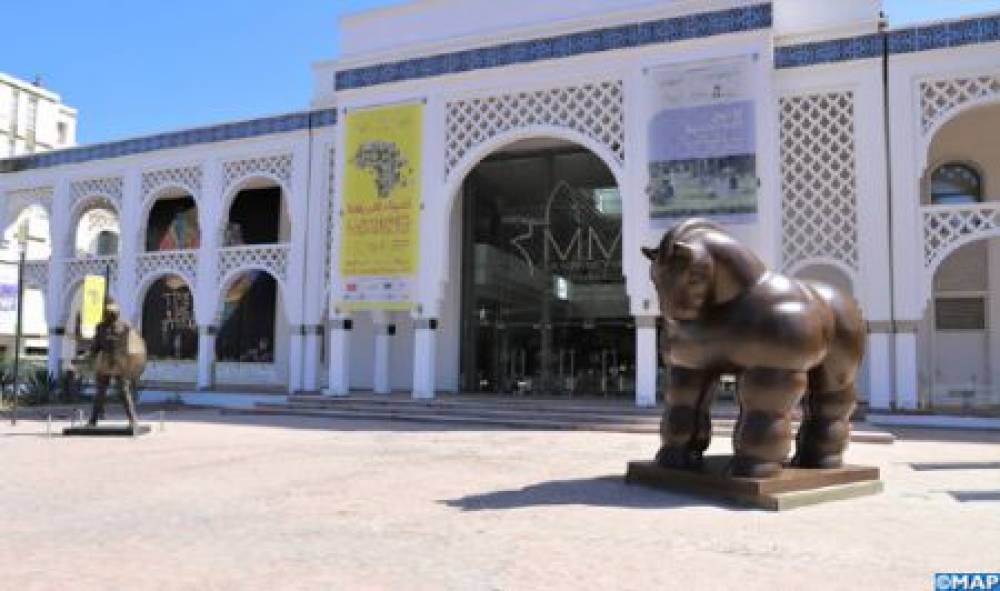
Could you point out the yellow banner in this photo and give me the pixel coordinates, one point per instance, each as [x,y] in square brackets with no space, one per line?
[381,207]
[92,305]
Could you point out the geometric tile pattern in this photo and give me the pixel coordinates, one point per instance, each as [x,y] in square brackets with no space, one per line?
[939,97]
[36,275]
[595,110]
[331,191]
[19,199]
[666,30]
[818,178]
[944,225]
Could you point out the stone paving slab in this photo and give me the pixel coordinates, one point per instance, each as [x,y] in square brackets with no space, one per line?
[254,502]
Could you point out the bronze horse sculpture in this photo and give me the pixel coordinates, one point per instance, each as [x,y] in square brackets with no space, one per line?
[787,341]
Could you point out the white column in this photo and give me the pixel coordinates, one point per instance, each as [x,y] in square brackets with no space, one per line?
[880,364]
[54,363]
[383,357]
[313,344]
[907,394]
[130,245]
[206,357]
[340,357]
[645,361]
[424,358]
[296,361]
[993,317]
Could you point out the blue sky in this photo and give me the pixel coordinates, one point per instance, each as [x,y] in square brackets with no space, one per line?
[134,67]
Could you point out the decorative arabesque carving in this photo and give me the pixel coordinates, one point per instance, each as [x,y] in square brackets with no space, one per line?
[596,110]
[818,178]
[939,97]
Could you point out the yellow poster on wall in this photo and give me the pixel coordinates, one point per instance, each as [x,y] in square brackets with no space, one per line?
[92,306]
[380,207]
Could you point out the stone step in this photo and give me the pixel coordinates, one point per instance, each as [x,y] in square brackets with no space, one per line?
[506,418]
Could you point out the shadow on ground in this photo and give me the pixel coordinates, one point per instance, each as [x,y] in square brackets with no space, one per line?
[600,491]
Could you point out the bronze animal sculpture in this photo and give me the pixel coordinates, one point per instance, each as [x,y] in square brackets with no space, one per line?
[118,352]
[787,341]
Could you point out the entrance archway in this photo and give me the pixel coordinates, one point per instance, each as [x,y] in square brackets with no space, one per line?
[544,309]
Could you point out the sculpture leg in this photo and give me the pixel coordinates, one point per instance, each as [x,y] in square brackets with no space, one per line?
[127,402]
[683,433]
[763,435]
[826,423]
[97,411]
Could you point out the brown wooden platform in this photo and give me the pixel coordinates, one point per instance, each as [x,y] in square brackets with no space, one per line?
[795,487]
[106,431]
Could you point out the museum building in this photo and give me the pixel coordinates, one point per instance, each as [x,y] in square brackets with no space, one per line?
[539,145]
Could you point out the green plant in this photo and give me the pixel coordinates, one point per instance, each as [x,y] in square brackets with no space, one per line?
[41,387]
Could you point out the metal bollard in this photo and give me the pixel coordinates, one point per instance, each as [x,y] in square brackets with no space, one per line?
[48,426]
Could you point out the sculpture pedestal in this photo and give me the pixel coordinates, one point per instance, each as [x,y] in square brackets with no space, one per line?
[106,431]
[795,487]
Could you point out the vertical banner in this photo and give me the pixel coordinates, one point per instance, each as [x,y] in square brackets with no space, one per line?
[702,142]
[91,305]
[381,207]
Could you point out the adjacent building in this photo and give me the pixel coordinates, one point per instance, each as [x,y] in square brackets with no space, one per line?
[517,155]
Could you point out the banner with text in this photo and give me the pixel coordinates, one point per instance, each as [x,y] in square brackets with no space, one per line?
[702,141]
[92,305]
[381,207]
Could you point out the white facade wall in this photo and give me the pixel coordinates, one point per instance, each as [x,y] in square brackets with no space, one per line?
[874,242]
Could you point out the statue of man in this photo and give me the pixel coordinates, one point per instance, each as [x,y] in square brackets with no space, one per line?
[110,351]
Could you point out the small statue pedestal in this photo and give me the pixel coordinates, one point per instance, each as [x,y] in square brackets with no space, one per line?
[106,431]
[794,487]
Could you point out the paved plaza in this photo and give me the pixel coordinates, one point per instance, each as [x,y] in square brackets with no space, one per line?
[236,502]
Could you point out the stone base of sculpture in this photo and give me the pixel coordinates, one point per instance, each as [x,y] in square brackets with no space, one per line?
[794,487]
[106,431]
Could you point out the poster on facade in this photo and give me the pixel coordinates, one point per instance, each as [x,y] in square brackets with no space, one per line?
[702,142]
[380,207]
[91,305]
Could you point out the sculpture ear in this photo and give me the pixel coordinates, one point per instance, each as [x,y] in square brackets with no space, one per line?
[651,253]
[727,286]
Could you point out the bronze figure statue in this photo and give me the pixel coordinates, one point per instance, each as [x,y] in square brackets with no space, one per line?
[787,341]
[118,352]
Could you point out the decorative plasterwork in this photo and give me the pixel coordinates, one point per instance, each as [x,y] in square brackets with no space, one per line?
[277,167]
[189,178]
[272,258]
[331,193]
[945,226]
[595,110]
[20,199]
[818,178]
[77,269]
[938,98]
[183,263]
[110,188]
[36,275]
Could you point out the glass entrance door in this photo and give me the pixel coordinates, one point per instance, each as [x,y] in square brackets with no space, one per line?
[544,306]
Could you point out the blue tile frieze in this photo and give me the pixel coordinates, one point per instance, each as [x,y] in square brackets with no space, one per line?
[910,40]
[668,30]
[177,139]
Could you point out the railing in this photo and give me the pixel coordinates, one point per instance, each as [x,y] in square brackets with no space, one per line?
[78,268]
[270,257]
[179,262]
[946,225]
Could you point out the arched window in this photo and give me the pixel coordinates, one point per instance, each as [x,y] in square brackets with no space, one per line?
[954,184]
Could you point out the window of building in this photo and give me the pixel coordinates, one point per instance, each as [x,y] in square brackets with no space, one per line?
[954,184]
[62,132]
[960,313]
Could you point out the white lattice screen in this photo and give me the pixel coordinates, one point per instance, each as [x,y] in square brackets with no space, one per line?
[105,187]
[595,110]
[939,97]
[189,178]
[270,257]
[77,269]
[178,262]
[945,225]
[20,199]
[331,193]
[36,275]
[278,167]
[818,178]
